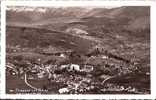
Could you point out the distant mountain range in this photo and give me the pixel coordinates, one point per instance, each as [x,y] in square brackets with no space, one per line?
[111,28]
[137,16]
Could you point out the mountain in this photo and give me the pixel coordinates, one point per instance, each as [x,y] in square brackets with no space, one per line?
[37,14]
[128,16]
[115,28]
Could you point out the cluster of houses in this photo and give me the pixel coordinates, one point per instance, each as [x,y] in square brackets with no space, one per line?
[47,70]
[44,69]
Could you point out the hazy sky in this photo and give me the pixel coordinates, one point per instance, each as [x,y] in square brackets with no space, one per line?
[43,9]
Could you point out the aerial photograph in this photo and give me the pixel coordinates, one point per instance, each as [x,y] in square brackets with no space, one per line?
[77,50]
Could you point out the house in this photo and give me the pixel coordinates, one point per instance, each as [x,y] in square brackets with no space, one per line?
[74,67]
[87,68]
[71,67]
[63,90]
[62,55]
